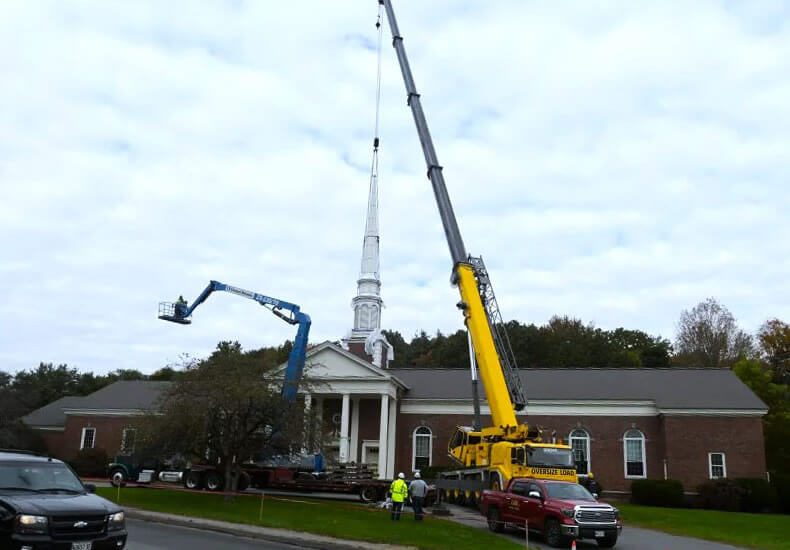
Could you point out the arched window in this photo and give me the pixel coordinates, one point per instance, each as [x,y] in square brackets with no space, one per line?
[580,443]
[634,454]
[422,448]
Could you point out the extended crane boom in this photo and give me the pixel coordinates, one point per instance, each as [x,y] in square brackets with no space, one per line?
[494,454]
[503,396]
[180,312]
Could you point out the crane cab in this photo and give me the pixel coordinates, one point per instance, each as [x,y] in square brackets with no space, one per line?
[173,312]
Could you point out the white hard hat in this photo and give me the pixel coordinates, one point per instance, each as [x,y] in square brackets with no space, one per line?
[401,476]
[417,475]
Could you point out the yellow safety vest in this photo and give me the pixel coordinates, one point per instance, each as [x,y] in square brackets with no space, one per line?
[399,490]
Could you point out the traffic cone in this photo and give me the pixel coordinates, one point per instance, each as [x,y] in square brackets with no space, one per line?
[573,545]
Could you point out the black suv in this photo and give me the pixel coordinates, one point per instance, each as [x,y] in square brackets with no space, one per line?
[44,506]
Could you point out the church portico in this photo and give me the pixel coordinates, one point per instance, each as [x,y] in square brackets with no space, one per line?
[356,403]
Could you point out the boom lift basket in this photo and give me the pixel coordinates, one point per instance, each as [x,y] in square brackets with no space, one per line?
[167,312]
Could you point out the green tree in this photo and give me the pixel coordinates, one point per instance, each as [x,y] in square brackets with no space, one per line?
[774,340]
[230,405]
[708,336]
[776,424]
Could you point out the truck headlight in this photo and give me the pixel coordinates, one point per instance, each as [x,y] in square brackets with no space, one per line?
[32,524]
[115,521]
[616,513]
[568,512]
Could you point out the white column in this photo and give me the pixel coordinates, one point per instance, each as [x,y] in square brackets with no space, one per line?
[354,454]
[344,428]
[391,440]
[383,420]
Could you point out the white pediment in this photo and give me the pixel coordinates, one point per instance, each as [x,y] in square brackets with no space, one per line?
[330,361]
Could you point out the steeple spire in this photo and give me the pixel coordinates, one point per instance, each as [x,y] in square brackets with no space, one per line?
[368,303]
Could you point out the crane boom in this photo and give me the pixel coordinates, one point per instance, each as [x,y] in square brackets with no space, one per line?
[180,313]
[502,395]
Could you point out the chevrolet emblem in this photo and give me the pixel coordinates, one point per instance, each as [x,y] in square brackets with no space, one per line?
[81,524]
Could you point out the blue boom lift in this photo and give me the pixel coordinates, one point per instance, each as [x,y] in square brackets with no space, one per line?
[179,312]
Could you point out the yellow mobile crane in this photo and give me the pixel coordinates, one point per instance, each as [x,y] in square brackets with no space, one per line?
[492,455]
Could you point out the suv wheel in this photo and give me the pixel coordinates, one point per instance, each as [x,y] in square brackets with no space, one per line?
[608,541]
[117,477]
[552,533]
[495,521]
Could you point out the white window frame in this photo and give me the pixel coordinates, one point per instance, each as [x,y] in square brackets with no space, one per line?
[124,450]
[586,443]
[625,453]
[82,438]
[723,464]
[414,435]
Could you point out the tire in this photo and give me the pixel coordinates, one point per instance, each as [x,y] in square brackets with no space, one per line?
[243,482]
[117,477]
[368,494]
[213,481]
[192,480]
[608,541]
[495,521]
[552,534]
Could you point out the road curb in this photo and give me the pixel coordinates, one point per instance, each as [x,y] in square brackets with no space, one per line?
[281,536]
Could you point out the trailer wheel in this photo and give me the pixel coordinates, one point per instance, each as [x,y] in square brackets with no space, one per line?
[213,481]
[368,494]
[192,480]
[117,477]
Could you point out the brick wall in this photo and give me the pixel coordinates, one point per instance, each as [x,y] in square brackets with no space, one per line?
[684,441]
[690,439]
[109,432]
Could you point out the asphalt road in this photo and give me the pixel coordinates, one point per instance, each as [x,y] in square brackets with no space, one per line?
[632,538]
[157,536]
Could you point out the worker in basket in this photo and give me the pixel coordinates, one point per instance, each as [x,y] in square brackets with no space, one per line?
[181,306]
[399,490]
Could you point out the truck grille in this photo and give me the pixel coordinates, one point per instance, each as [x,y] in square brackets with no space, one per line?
[72,528]
[595,516]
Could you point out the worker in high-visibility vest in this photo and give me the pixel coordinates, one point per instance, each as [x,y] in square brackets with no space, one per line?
[399,490]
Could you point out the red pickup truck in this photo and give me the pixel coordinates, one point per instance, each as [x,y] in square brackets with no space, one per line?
[560,510]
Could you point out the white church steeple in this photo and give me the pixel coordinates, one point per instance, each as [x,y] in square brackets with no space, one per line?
[368,303]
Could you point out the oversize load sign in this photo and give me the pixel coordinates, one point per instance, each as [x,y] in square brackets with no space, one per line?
[554,472]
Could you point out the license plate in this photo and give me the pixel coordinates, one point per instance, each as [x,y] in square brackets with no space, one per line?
[598,534]
[81,545]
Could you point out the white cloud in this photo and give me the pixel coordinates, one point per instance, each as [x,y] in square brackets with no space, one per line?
[614,162]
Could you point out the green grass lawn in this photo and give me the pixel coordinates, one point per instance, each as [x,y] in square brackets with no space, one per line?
[764,531]
[342,520]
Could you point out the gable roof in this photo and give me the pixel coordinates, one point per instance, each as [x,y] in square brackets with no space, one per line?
[366,368]
[124,395]
[670,388]
[52,415]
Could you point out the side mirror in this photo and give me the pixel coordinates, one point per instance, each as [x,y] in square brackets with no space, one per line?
[534,494]
[595,496]
[90,487]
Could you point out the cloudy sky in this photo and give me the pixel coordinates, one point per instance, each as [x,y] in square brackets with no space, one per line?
[616,162]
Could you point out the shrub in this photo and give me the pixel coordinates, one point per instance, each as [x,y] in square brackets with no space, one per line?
[781,483]
[657,492]
[759,495]
[90,463]
[721,494]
